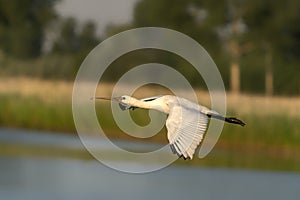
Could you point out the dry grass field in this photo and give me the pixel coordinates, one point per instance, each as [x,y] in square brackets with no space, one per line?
[61,91]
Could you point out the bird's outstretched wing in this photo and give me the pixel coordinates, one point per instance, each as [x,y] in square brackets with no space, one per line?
[186,127]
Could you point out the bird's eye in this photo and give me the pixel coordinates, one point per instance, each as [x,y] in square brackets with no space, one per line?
[123,98]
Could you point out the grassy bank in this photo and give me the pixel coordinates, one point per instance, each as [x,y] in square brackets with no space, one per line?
[30,112]
[270,140]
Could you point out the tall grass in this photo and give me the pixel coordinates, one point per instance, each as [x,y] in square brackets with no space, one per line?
[35,103]
[30,112]
[61,91]
[270,139]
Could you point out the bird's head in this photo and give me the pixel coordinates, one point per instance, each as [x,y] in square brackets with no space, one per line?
[124,99]
[125,102]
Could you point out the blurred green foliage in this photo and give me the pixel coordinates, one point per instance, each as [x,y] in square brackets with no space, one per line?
[23,24]
[36,41]
[15,111]
[263,30]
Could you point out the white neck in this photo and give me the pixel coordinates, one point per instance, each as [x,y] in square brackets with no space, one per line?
[155,105]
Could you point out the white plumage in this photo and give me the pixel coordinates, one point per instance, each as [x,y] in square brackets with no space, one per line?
[186,122]
[186,127]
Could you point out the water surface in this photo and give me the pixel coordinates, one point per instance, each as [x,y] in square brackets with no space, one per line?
[25,178]
[60,178]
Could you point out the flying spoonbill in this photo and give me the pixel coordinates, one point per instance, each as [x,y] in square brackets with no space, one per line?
[186,123]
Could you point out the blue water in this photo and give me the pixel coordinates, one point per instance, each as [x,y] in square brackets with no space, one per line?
[42,178]
[71,179]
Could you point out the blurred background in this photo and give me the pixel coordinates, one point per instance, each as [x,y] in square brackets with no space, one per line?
[255,44]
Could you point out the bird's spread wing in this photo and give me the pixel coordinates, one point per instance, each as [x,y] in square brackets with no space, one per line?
[186,127]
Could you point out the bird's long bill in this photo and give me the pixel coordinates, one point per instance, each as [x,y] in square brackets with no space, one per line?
[101,98]
[106,99]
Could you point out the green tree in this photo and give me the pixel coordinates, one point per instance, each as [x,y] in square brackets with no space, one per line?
[23,24]
[75,41]
[253,38]
[67,40]
[189,17]
[88,40]
[88,36]
[273,28]
[72,39]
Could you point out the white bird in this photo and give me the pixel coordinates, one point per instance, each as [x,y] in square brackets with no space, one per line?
[186,123]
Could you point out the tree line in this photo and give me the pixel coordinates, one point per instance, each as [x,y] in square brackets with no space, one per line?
[255,44]
[25,26]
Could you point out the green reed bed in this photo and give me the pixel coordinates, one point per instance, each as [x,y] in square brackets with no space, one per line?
[30,112]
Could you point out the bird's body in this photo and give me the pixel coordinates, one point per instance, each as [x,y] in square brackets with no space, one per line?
[186,123]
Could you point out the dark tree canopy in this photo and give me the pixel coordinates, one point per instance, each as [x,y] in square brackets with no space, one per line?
[22,26]
[268,29]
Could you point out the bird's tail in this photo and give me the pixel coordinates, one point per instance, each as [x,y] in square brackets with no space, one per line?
[231,120]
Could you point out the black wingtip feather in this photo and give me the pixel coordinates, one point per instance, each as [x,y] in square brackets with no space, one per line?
[234,120]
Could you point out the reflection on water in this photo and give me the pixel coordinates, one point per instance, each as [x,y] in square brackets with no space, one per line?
[27,178]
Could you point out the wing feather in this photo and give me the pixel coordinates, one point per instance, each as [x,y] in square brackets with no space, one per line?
[186,126]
